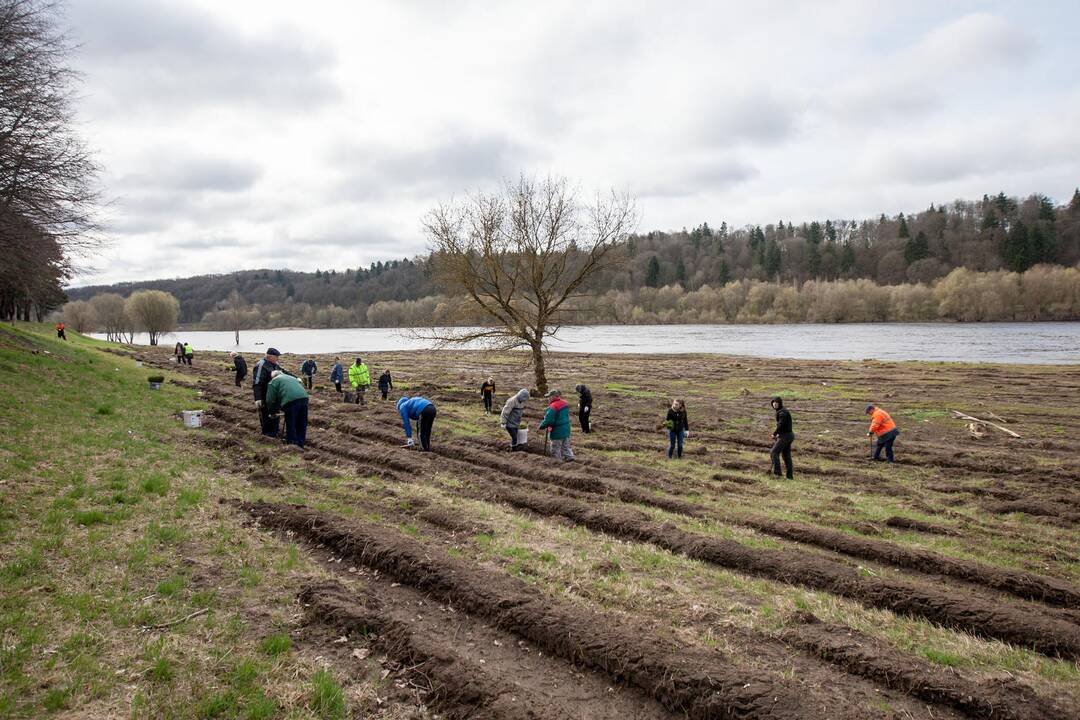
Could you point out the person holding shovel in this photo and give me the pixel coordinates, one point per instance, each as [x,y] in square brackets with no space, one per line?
[240,366]
[417,408]
[360,379]
[557,422]
[884,428]
[285,394]
[510,418]
[260,381]
[308,370]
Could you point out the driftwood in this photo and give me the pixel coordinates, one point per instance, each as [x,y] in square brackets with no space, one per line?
[162,626]
[972,419]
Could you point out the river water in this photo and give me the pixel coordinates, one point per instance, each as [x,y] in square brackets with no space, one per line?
[1029,343]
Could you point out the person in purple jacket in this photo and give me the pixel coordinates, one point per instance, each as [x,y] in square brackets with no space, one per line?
[417,408]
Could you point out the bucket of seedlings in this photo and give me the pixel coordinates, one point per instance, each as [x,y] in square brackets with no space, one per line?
[155,381]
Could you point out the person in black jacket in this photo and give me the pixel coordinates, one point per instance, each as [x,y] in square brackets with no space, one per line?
[307,372]
[678,427]
[783,437]
[240,365]
[584,407]
[260,380]
[386,383]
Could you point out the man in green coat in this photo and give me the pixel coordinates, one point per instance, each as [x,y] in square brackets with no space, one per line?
[287,395]
[557,422]
[360,379]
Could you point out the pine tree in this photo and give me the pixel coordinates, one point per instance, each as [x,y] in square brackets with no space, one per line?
[847,258]
[917,248]
[1015,250]
[680,272]
[813,260]
[723,273]
[1074,204]
[772,260]
[903,232]
[652,273]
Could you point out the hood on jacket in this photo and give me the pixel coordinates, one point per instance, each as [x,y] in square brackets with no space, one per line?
[404,399]
[778,402]
[522,396]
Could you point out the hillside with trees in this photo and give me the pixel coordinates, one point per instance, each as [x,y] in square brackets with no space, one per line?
[1011,258]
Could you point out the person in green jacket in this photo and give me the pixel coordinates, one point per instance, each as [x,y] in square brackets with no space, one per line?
[557,422]
[287,395]
[360,379]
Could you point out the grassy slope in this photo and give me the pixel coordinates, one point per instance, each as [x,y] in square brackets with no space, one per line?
[109,521]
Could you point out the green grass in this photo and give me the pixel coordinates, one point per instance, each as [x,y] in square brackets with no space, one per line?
[327,698]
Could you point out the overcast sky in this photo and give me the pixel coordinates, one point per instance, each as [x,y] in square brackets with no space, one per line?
[238,135]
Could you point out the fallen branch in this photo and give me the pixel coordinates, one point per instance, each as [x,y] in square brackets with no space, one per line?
[162,626]
[970,418]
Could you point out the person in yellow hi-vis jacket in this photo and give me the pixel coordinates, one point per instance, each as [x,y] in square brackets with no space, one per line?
[360,379]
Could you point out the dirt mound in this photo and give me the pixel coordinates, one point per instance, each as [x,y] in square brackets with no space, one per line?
[904,523]
[700,684]
[453,521]
[863,655]
[266,478]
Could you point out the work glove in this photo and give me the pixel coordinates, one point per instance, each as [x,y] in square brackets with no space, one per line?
[409,442]
[686,434]
[869,434]
[586,408]
[259,404]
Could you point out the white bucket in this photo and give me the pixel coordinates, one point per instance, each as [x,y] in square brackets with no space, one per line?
[193,418]
[523,436]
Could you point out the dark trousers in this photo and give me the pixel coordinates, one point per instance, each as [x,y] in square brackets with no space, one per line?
[187,358]
[675,437]
[427,419]
[239,379]
[309,381]
[60,334]
[269,424]
[385,392]
[487,402]
[360,390]
[782,449]
[885,442]
[513,437]
[337,385]
[583,418]
[296,421]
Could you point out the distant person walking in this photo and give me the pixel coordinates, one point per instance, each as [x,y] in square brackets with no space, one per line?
[386,383]
[307,371]
[360,379]
[417,408]
[487,391]
[557,422]
[285,394]
[884,428]
[337,374]
[584,407]
[178,352]
[60,334]
[189,353]
[510,418]
[240,366]
[783,437]
[678,427]
[260,381]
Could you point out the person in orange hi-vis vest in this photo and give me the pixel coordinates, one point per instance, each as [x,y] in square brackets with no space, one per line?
[884,427]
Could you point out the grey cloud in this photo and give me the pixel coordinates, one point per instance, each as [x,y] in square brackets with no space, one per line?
[756,117]
[192,174]
[454,164]
[152,55]
[695,177]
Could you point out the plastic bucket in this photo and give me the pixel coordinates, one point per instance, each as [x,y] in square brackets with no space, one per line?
[155,386]
[193,418]
[349,396]
[523,436]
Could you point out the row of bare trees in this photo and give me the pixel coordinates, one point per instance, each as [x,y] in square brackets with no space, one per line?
[47,175]
[151,311]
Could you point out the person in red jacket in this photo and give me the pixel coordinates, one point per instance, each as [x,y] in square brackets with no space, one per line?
[60,334]
[884,427]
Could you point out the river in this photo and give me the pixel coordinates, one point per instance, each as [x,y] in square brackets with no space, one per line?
[1028,343]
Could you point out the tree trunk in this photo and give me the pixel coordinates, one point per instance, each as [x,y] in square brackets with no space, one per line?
[538,367]
[237,331]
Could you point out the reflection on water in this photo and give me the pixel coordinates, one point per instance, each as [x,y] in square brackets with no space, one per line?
[1048,343]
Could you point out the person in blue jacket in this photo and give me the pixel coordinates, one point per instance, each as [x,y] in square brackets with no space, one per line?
[337,374]
[417,408]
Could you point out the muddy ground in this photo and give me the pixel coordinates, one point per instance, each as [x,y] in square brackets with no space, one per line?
[628,585]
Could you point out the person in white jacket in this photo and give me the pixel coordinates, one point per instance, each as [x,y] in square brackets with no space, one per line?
[510,419]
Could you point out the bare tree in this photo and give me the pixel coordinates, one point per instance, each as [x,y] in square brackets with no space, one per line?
[80,316]
[520,256]
[47,176]
[113,317]
[154,311]
[235,312]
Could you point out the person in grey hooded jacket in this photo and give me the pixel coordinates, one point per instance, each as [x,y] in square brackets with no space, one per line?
[511,417]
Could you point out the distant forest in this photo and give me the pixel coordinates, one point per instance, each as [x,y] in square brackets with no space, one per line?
[708,274]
